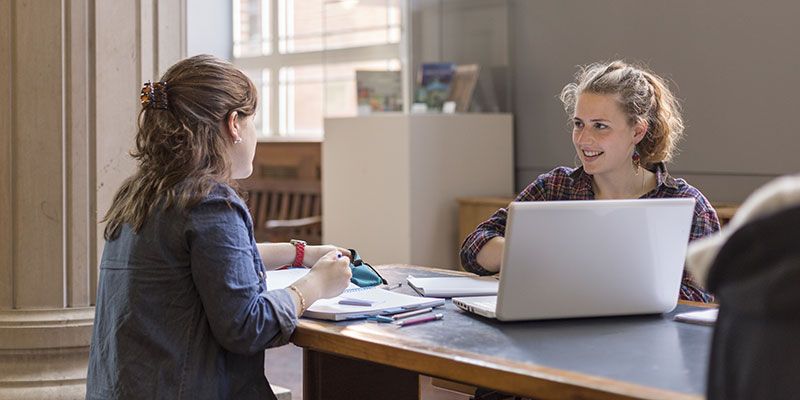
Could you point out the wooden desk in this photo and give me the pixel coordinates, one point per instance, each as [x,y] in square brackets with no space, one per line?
[640,357]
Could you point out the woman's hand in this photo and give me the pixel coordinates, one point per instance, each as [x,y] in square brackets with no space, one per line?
[328,277]
[314,253]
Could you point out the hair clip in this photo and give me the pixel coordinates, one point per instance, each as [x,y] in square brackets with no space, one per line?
[154,95]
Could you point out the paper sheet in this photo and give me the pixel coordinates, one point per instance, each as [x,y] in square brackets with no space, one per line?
[455,286]
[704,317]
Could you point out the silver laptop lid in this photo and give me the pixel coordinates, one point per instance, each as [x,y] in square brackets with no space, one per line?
[593,258]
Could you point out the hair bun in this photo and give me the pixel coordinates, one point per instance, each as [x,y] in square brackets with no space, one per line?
[154,95]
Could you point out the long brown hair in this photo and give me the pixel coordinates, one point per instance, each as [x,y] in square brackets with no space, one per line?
[181,149]
[643,96]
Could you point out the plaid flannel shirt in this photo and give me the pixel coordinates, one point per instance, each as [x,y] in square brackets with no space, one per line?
[565,183]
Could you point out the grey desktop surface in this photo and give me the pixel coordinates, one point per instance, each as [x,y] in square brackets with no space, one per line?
[649,350]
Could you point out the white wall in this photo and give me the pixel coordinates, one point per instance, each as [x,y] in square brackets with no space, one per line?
[735,63]
[209,28]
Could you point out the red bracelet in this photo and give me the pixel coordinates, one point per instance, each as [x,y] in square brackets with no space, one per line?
[300,252]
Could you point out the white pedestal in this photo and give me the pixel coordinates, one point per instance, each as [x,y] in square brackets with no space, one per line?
[390,181]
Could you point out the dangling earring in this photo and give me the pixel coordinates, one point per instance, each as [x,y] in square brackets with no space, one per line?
[636,160]
[577,162]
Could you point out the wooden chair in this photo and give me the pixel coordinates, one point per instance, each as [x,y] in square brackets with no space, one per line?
[285,209]
[725,211]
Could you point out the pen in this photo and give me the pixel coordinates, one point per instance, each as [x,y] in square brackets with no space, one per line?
[392,318]
[355,302]
[393,287]
[420,320]
[412,313]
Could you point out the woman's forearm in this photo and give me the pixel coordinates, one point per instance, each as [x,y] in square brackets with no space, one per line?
[275,255]
[491,254]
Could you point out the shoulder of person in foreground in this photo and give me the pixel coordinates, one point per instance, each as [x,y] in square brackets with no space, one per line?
[775,196]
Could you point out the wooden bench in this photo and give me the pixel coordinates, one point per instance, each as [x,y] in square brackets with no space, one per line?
[285,209]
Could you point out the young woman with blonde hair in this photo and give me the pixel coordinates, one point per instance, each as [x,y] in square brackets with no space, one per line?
[183,309]
[625,127]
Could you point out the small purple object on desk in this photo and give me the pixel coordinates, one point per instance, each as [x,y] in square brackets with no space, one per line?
[420,320]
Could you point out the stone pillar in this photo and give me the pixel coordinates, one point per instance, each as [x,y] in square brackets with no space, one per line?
[70,75]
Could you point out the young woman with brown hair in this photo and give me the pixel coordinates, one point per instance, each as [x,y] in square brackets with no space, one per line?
[183,309]
[625,126]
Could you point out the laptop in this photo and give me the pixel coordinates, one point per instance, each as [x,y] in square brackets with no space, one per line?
[569,259]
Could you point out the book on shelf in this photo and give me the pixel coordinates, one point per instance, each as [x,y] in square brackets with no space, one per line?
[463,86]
[433,84]
[491,90]
[379,91]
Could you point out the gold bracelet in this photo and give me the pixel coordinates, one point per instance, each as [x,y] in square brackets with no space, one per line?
[302,299]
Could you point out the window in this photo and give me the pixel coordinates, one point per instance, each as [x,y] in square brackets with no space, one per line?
[303,54]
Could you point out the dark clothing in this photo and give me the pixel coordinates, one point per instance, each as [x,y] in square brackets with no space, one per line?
[565,183]
[183,311]
[756,278]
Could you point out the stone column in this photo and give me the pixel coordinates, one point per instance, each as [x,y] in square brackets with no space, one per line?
[70,74]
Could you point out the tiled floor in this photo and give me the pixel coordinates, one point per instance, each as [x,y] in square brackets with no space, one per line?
[284,366]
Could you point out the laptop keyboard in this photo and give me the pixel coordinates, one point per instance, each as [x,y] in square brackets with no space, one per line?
[487,304]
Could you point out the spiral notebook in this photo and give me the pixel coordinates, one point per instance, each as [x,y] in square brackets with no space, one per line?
[382,302]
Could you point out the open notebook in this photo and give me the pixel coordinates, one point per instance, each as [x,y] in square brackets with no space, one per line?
[382,301]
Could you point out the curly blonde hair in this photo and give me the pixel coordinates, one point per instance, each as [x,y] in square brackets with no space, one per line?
[643,96]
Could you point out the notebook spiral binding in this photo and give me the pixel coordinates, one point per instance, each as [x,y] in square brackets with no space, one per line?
[358,289]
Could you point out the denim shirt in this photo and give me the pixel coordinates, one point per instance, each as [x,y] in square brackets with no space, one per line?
[183,311]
